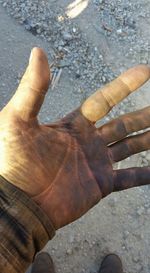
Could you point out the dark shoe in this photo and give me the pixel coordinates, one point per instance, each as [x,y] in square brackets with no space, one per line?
[43,263]
[111,264]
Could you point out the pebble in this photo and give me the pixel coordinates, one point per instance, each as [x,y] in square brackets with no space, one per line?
[74,30]
[124,247]
[126,233]
[69,251]
[119,31]
[67,36]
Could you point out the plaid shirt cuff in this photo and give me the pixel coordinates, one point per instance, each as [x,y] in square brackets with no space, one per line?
[24,229]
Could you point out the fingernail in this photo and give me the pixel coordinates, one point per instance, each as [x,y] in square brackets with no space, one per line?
[31,56]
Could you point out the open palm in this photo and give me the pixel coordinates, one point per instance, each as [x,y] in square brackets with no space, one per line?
[66,167]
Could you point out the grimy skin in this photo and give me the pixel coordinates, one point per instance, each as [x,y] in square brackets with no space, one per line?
[67,167]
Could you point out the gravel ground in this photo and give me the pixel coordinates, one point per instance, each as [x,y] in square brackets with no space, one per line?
[91,44]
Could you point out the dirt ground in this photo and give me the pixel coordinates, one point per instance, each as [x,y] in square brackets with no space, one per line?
[125,217]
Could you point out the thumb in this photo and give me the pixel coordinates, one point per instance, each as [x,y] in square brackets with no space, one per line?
[34,84]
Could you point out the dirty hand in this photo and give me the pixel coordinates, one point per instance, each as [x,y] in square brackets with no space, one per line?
[66,167]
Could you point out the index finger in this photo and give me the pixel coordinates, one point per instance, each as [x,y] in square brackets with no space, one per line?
[102,101]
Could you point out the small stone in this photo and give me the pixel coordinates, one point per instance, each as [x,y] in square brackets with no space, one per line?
[67,36]
[123,247]
[69,251]
[39,30]
[61,43]
[126,233]
[119,31]
[78,75]
[74,30]
[103,79]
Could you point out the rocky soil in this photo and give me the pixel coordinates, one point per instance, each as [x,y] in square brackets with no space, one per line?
[90,42]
